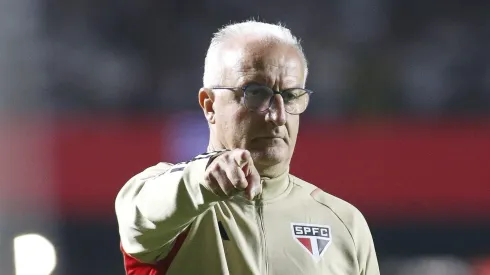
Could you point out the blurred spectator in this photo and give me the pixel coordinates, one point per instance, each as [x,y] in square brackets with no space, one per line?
[374,57]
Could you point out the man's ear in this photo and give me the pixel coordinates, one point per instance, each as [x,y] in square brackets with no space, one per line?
[206,100]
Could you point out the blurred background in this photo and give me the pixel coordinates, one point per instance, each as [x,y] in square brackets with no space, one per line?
[93,92]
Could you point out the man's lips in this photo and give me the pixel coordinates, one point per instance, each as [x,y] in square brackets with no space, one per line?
[268,137]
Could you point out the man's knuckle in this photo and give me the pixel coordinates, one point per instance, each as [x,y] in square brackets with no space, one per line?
[246,154]
[236,181]
[224,158]
[217,166]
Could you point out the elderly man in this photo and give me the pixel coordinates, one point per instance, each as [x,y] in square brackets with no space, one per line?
[236,209]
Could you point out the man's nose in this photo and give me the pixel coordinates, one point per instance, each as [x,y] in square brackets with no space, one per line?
[277,111]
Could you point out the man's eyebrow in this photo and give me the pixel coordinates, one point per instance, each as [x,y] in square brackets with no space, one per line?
[287,82]
[248,77]
[255,66]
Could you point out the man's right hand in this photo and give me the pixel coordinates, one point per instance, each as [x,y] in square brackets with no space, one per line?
[233,172]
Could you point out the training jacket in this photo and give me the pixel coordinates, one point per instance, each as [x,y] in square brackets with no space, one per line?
[170,223]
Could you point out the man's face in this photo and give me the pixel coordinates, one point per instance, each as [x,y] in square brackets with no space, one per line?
[270,136]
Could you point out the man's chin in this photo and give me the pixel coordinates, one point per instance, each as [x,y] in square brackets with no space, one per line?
[268,157]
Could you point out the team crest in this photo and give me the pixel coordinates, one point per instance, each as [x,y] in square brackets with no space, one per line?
[314,238]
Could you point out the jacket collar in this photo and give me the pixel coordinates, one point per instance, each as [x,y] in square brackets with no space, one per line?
[274,187]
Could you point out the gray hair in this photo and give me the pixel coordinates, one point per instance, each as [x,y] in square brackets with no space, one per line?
[265,31]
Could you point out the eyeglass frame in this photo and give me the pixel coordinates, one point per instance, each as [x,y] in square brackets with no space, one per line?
[274,92]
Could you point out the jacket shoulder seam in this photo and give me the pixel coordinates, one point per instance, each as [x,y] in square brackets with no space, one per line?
[327,206]
[341,220]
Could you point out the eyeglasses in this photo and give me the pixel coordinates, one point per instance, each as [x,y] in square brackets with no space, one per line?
[259,98]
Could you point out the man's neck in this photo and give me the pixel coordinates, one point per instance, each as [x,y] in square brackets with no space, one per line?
[215,147]
[272,171]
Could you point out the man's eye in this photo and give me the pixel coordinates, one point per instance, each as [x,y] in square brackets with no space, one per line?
[257,91]
[289,95]
[254,92]
[293,94]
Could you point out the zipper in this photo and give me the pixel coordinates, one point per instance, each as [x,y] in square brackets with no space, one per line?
[260,218]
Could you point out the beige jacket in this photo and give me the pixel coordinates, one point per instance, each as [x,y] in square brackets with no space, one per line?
[171,224]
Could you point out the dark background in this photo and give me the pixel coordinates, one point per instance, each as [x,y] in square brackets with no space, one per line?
[92,92]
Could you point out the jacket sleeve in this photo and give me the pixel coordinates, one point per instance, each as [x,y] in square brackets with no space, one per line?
[155,206]
[366,253]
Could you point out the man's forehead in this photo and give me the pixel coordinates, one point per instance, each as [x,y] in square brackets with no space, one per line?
[266,56]
[263,62]
[267,78]
[285,66]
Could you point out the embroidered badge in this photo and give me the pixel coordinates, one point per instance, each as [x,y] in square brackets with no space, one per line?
[313,237]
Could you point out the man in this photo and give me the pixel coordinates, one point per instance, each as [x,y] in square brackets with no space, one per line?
[236,209]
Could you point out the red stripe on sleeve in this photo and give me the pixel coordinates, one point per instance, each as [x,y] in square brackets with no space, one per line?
[135,267]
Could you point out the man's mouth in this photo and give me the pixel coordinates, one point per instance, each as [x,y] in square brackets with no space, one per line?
[269,137]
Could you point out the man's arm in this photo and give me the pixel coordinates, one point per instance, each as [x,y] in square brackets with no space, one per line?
[155,206]
[366,253]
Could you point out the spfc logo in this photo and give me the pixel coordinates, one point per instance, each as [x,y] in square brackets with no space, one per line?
[314,238]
